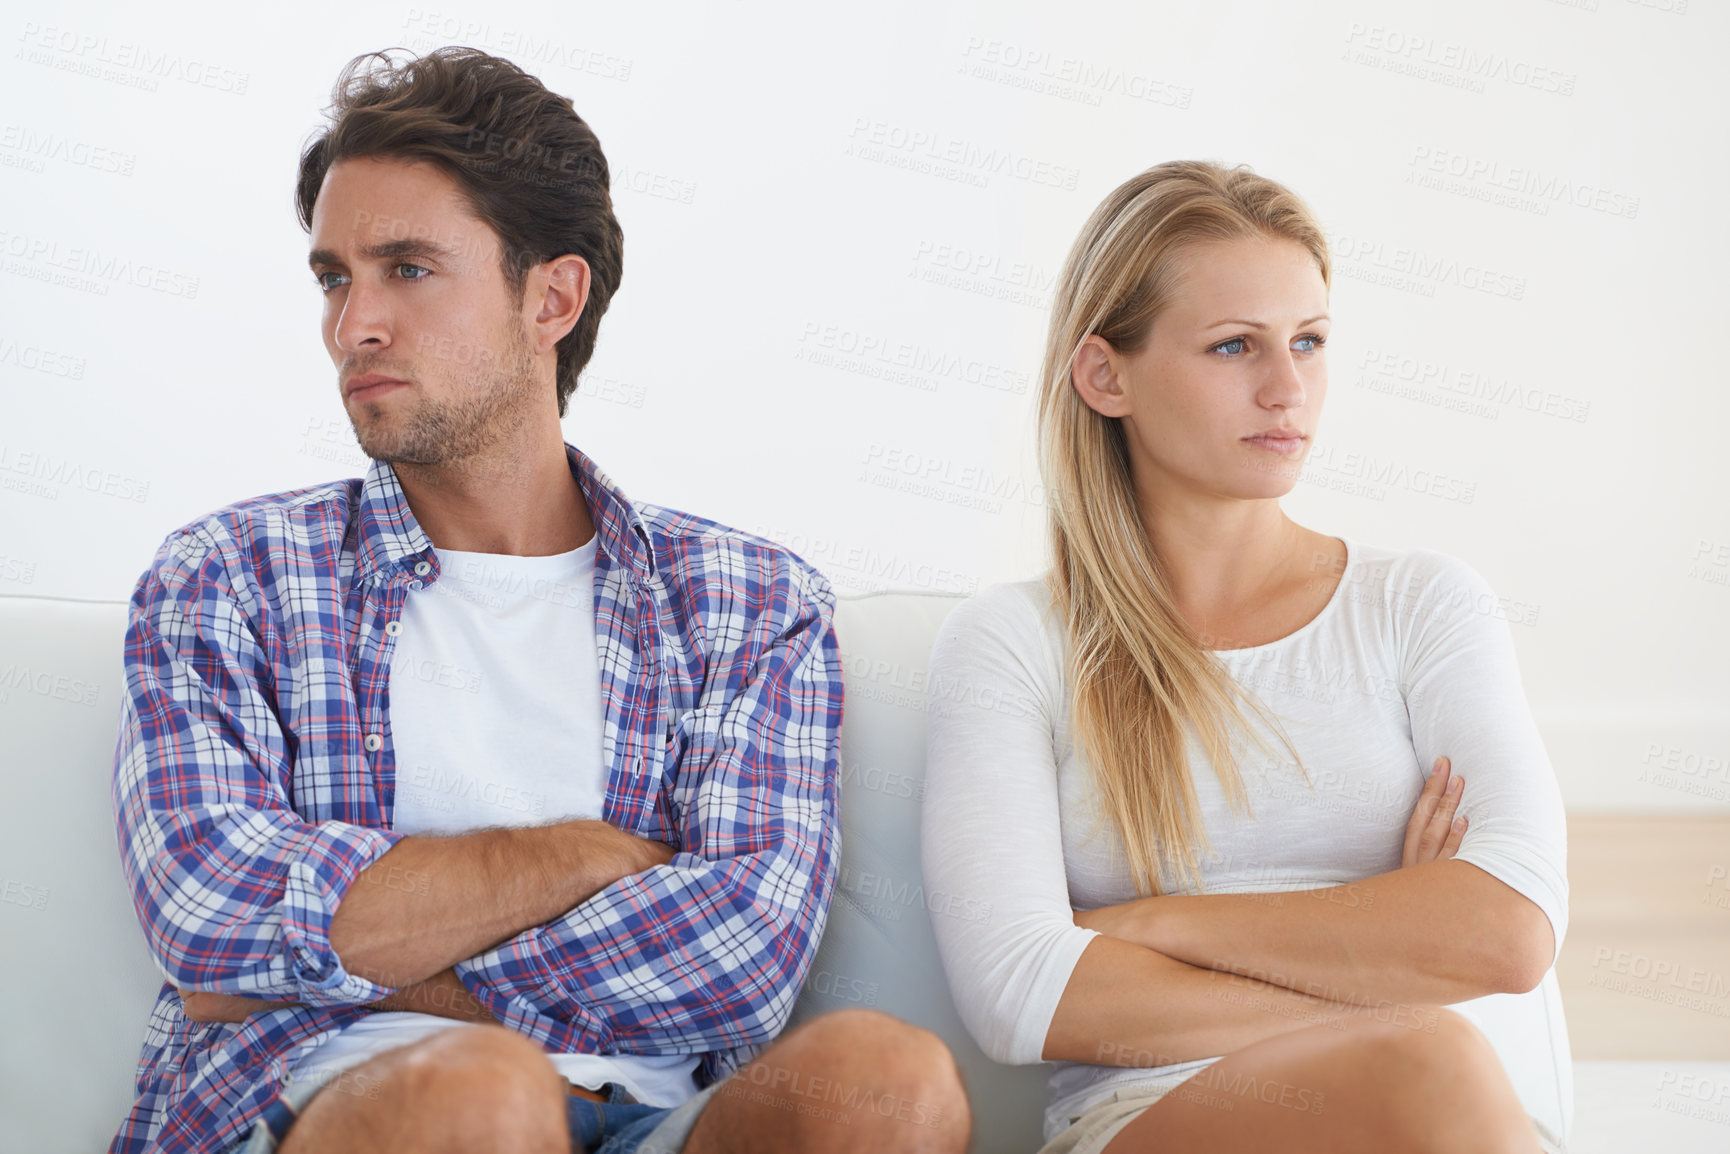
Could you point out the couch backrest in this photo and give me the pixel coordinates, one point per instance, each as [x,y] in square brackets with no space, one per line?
[878,948]
[80,983]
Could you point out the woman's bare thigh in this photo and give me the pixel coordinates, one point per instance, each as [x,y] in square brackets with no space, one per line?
[1428,1081]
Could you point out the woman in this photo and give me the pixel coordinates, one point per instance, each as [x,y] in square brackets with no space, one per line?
[1225,948]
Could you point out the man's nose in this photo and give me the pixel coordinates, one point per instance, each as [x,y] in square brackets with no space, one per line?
[365,317]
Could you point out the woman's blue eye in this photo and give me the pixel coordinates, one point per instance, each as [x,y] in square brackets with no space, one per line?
[1308,343]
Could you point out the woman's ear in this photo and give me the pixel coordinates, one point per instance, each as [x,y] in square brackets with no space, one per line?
[1096,371]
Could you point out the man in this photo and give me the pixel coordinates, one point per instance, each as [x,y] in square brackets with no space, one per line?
[469,806]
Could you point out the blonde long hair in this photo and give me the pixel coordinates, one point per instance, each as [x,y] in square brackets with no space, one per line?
[1137,671]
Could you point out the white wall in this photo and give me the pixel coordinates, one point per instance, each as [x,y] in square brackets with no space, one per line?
[906,177]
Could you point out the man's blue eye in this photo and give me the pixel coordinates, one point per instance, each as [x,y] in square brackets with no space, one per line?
[319,277]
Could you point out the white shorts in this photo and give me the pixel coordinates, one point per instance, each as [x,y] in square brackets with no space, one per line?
[1092,1131]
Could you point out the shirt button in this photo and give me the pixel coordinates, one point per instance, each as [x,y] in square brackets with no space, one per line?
[414,585]
[423,568]
[393,628]
[374,742]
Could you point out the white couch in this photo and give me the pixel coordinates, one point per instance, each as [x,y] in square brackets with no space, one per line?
[78,984]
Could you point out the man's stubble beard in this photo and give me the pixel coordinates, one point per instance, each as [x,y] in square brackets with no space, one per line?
[443,434]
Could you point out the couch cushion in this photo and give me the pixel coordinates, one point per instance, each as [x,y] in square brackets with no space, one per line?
[878,949]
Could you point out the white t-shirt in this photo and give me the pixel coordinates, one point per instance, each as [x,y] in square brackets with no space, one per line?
[1407,661]
[495,715]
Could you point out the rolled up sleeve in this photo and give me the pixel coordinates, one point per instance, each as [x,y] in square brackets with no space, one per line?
[235,891]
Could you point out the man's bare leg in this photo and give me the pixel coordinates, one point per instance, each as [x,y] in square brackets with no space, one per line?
[851,1080]
[1367,1088]
[469,1089]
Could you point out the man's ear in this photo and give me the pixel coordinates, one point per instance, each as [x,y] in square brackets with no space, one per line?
[1096,371]
[557,291]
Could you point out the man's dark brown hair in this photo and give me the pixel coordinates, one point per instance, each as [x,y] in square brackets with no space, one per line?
[529,165]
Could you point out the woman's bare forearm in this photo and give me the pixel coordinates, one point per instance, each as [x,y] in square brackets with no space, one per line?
[1126,1005]
[1437,933]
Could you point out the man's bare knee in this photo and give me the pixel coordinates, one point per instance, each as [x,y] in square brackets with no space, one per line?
[913,1078]
[470,1088]
[478,1052]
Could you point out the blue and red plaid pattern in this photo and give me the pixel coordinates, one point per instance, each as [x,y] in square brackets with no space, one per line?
[254,780]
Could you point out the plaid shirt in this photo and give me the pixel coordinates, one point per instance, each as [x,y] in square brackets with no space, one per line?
[254,780]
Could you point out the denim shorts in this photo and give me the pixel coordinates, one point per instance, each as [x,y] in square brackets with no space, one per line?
[621,1125]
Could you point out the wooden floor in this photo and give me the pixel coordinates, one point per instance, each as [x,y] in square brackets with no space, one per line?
[1645,968]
